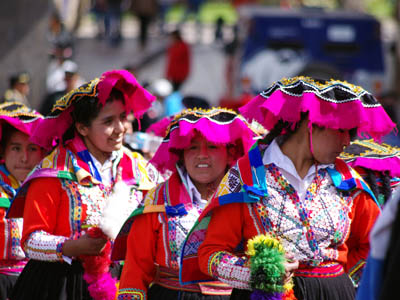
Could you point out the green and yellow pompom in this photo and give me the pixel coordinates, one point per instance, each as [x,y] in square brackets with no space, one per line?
[267,269]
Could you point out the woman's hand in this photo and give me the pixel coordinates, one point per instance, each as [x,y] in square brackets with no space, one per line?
[85,245]
[290,266]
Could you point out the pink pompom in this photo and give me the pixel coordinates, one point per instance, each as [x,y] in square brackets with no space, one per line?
[102,287]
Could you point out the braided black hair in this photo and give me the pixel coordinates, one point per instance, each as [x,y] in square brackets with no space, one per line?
[384,190]
[287,128]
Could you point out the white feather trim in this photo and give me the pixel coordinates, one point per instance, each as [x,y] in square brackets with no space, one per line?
[120,205]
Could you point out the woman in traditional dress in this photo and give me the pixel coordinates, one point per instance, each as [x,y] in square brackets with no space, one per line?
[73,201]
[19,156]
[292,187]
[199,147]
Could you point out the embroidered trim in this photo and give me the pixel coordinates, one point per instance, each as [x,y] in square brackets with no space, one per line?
[230,269]
[330,269]
[42,246]
[131,294]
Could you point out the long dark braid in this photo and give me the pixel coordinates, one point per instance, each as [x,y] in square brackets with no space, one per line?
[283,126]
[371,180]
[386,188]
[276,131]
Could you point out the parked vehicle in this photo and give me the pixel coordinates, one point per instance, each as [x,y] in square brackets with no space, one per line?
[323,44]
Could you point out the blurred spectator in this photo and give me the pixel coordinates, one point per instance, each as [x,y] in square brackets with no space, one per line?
[219,25]
[19,88]
[55,80]
[163,7]
[108,16]
[99,9]
[192,8]
[173,104]
[71,80]
[60,39]
[178,60]
[145,11]
[230,50]
[61,52]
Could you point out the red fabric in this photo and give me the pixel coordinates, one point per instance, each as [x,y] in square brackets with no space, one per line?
[364,214]
[47,209]
[178,62]
[145,248]
[2,230]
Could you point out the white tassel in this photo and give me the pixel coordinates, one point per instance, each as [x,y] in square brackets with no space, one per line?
[118,208]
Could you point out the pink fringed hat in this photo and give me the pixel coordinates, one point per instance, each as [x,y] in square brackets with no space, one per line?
[332,104]
[217,125]
[371,155]
[136,99]
[19,116]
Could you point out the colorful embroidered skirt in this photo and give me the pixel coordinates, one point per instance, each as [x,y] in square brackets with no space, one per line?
[157,292]
[314,288]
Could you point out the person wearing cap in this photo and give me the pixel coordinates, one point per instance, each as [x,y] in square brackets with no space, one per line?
[19,88]
[71,80]
[292,187]
[18,157]
[198,148]
[74,200]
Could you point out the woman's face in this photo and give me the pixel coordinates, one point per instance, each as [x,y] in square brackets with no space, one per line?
[329,143]
[21,156]
[205,162]
[106,132]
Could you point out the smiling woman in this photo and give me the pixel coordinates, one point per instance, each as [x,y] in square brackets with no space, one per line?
[102,131]
[66,202]
[206,163]
[199,147]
